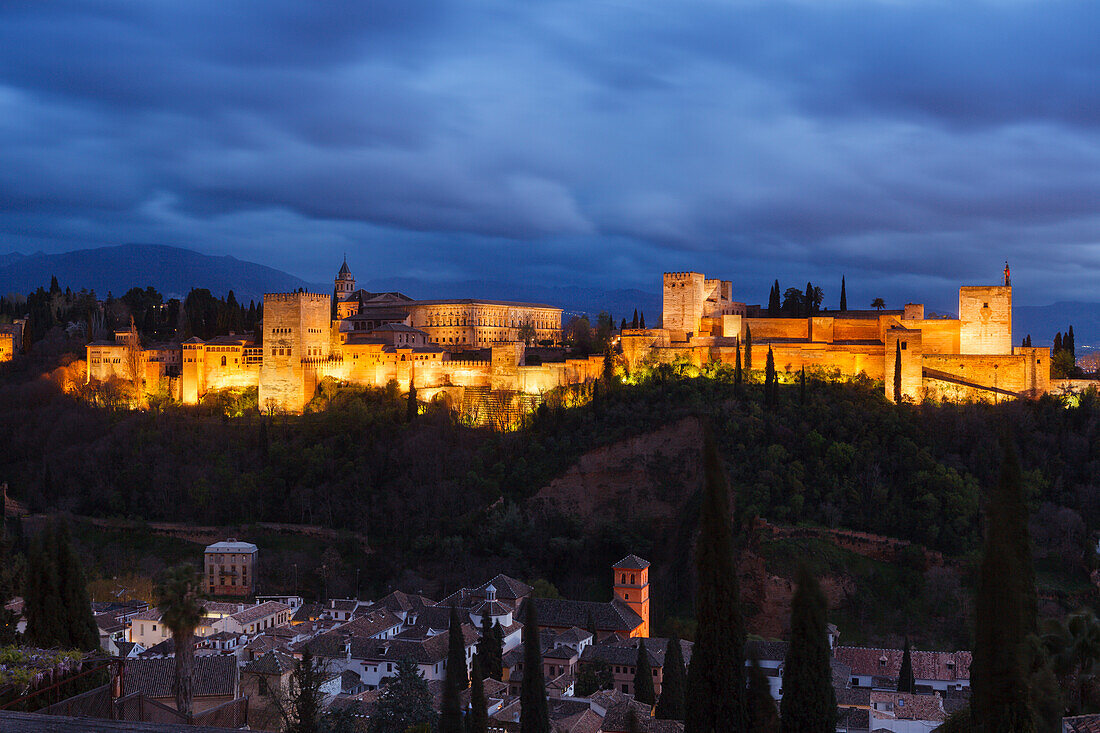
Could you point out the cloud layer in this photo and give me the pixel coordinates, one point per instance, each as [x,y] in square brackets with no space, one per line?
[908,145]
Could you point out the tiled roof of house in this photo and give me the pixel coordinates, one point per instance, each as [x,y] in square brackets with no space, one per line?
[853,719]
[492,608]
[153,614]
[307,612]
[938,666]
[218,608]
[231,545]
[508,588]
[631,562]
[399,601]
[263,610]
[272,663]
[215,675]
[108,623]
[1082,724]
[612,616]
[771,651]
[342,604]
[625,651]
[421,651]
[904,706]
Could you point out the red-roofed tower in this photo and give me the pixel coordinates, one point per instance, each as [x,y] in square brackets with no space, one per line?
[631,582]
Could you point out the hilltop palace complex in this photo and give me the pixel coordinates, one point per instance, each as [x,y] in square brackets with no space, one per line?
[453,347]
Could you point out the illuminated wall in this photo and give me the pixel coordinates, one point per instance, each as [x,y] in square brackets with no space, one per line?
[986,317]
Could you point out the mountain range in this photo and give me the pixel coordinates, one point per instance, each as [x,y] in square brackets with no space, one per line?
[174,271]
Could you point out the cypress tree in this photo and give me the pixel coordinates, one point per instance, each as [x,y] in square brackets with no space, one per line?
[641,320]
[715,698]
[774,305]
[450,717]
[809,700]
[1005,608]
[738,377]
[808,299]
[763,716]
[622,325]
[770,393]
[748,349]
[643,677]
[897,372]
[1069,343]
[634,321]
[906,681]
[81,629]
[802,387]
[1057,342]
[412,408]
[592,627]
[843,295]
[670,706]
[534,716]
[478,721]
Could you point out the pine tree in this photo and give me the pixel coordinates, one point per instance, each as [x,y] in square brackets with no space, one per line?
[763,716]
[450,718]
[634,321]
[897,372]
[181,608]
[405,704]
[843,296]
[670,706]
[478,722]
[748,349]
[715,697]
[643,677]
[1005,609]
[809,700]
[906,681]
[489,648]
[534,716]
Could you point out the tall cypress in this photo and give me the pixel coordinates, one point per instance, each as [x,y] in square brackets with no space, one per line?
[412,408]
[738,377]
[808,299]
[534,715]
[897,372]
[715,699]
[809,700]
[802,386]
[748,349]
[763,715]
[670,705]
[843,295]
[1005,608]
[81,629]
[478,722]
[906,681]
[641,320]
[770,393]
[591,628]
[1057,342]
[634,320]
[450,716]
[1069,343]
[643,677]
[774,304]
[489,648]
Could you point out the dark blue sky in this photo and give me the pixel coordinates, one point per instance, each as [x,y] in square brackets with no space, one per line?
[908,145]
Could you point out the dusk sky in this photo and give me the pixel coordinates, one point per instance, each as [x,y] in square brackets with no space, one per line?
[911,146]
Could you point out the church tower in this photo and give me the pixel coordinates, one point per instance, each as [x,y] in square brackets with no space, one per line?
[631,581]
[345,281]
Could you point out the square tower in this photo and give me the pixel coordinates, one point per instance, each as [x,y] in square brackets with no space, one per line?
[631,582]
[985,319]
[684,299]
[296,335]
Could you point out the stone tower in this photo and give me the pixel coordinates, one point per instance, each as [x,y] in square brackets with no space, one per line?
[631,582]
[345,281]
[296,340]
[985,319]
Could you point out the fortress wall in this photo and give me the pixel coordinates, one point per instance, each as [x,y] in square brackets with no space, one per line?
[939,335]
[1010,372]
[771,328]
[637,343]
[7,346]
[985,314]
[855,329]
[908,343]
[296,326]
[792,357]
[821,329]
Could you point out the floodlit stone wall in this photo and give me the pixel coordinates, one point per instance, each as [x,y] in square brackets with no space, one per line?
[985,314]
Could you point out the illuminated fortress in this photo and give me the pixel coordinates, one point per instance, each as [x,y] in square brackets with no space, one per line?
[451,347]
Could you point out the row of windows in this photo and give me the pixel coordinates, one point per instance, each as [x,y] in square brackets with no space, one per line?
[280,330]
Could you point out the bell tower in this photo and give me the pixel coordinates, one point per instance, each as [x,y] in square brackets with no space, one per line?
[345,281]
[631,583]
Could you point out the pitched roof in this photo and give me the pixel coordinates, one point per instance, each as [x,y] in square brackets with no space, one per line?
[611,616]
[344,268]
[1082,723]
[905,706]
[631,562]
[359,631]
[213,675]
[938,666]
[274,662]
[262,610]
[231,545]
[625,652]
[399,601]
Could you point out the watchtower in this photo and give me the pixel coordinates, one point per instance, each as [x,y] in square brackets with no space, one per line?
[631,582]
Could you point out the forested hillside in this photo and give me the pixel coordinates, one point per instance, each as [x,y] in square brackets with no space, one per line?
[439,499]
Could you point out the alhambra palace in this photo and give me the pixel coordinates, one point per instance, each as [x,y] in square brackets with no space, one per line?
[456,348]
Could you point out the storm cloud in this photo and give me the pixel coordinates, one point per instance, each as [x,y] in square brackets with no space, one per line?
[907,145]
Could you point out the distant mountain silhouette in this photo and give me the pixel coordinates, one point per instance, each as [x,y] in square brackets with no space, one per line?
[173,271]
[1043,321]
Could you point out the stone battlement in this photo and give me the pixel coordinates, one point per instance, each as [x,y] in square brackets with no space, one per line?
[682,275]
[290,297]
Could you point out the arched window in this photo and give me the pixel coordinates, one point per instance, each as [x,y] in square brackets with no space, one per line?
[624,578]
[632,578]
[223,361]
